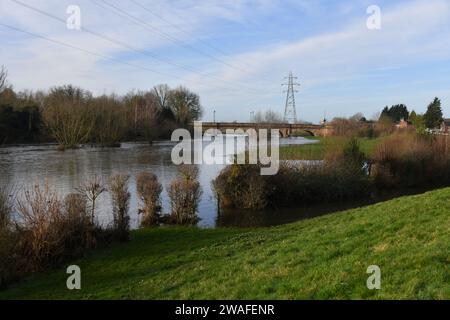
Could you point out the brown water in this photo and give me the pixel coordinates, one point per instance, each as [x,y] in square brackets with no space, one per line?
[24,166]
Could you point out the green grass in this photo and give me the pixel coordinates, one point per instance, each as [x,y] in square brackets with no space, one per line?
[321,258]
[318,150]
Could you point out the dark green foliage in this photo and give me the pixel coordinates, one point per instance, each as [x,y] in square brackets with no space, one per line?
[353,155]
[242,186]
[396,112]
[20,125]
[433,117]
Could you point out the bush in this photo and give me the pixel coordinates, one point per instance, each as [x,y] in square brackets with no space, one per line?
[47,232]
[7,239]
[41,229]
[5,207]
[149,190]
[80,229]
[412,160]
[242,186]
[184,194]
[339,177]
[118,186]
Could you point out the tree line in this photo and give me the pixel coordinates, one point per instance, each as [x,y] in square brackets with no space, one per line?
[71,116]
[431,119]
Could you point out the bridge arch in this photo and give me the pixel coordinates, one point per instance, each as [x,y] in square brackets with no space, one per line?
[310,132]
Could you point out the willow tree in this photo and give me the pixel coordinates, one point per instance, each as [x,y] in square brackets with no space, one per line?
[68,116]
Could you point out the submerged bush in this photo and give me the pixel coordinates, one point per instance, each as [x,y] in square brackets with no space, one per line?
[118,186]
[81,230]
[242,186]
[184,194]
[149,190]
[340,177]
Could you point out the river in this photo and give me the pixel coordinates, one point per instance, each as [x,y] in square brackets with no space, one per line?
[27,165]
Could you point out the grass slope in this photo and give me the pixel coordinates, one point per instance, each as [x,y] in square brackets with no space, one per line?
[322,258]
[318,150]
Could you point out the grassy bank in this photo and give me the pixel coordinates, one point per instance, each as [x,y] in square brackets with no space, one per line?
[327,257]
[318,150]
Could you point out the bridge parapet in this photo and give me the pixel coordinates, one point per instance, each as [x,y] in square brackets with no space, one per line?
[286,129]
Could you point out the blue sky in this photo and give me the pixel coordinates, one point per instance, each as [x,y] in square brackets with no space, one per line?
[235,53]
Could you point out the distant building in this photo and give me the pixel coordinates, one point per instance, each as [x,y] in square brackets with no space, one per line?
[445,127]
[402,124]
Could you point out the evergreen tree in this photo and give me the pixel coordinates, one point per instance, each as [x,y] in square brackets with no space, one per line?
[433,117]
[396,112]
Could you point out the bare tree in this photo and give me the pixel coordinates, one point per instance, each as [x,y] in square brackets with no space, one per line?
[185,105]
[3,78]
[267,117]
[91,190]
[68,116]
[162,93]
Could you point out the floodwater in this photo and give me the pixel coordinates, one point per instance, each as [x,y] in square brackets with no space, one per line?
[27,165]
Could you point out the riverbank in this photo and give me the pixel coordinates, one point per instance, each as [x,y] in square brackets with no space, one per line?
[321,258]
[317,151]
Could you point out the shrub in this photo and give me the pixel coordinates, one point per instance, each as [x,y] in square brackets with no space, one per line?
[184,194]
[91,190]
[5,207]
[242,186]
[188,172]
[149,190]
[118,186]
[411,160]
[50,231]
[340,177]
[80,229]
[7,238]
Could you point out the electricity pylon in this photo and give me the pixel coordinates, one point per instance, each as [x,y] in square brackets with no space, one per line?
[290,112]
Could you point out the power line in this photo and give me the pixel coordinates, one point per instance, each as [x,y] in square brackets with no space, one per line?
[93,53]
[123,44]
[122,13]
[83,50]
[170,37]
[207,44]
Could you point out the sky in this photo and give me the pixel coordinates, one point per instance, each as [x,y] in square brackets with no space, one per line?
[236,53]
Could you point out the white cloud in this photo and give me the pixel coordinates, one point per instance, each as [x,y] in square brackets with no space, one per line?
[412,33]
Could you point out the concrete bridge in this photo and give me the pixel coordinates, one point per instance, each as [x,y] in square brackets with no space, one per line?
[286,129]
